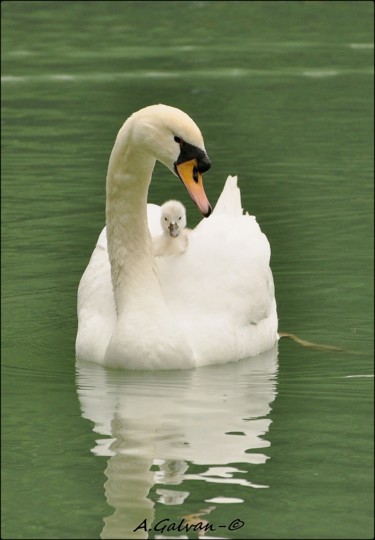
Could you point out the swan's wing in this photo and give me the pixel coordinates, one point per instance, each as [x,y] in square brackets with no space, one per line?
[229,202]
[102,240]
[153,218]
[232,256]
[221,288]
[96,306]
[225,269]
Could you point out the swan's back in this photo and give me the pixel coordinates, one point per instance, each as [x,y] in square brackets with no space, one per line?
[221,289]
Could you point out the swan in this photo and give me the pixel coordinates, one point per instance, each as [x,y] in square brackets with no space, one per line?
[175,237]
[214,303]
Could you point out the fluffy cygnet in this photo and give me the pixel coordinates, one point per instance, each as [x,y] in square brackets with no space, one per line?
[174,238]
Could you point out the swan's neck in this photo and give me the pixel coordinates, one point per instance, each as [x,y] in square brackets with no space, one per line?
[129,243]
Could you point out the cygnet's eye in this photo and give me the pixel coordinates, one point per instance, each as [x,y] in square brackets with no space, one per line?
[166,219]
[178,140]
[179,218]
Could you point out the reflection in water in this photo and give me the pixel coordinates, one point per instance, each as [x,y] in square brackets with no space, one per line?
[156,424]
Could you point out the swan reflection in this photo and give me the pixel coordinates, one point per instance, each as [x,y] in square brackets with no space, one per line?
[158,426]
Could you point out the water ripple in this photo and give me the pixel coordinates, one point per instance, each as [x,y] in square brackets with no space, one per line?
[207,73]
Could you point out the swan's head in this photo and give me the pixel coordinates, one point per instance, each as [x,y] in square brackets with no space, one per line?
[173,218]
[175,140]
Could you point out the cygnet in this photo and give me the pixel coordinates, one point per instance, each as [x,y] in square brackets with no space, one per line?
[175,237]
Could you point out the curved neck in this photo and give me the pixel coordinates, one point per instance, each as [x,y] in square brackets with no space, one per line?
[129,243]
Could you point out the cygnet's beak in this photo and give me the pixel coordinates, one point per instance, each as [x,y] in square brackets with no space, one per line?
[192,180]
[174,230]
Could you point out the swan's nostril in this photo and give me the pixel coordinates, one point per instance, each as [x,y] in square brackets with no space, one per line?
[195,175]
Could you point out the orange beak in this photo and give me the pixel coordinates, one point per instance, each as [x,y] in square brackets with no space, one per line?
[192,180]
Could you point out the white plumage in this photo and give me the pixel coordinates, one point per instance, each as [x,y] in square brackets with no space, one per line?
[175,237]
[212,303]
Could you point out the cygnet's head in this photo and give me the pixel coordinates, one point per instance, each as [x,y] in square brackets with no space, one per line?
[173,218]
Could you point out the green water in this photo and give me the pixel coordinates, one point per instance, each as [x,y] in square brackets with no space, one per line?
[282,92]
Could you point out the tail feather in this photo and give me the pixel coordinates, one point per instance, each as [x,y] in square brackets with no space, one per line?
[229,201]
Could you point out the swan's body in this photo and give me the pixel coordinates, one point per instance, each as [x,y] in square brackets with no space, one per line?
[175,237]
[214,303]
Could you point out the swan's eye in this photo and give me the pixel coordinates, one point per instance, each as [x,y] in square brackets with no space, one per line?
[178,140]
[179,218]
[166,219]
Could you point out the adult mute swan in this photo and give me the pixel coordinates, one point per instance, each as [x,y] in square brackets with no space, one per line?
[175,237]
[214,303]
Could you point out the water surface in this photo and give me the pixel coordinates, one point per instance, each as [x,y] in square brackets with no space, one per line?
[282,92]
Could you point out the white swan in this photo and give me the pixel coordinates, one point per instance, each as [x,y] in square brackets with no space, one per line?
[175,237]
[212,304]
